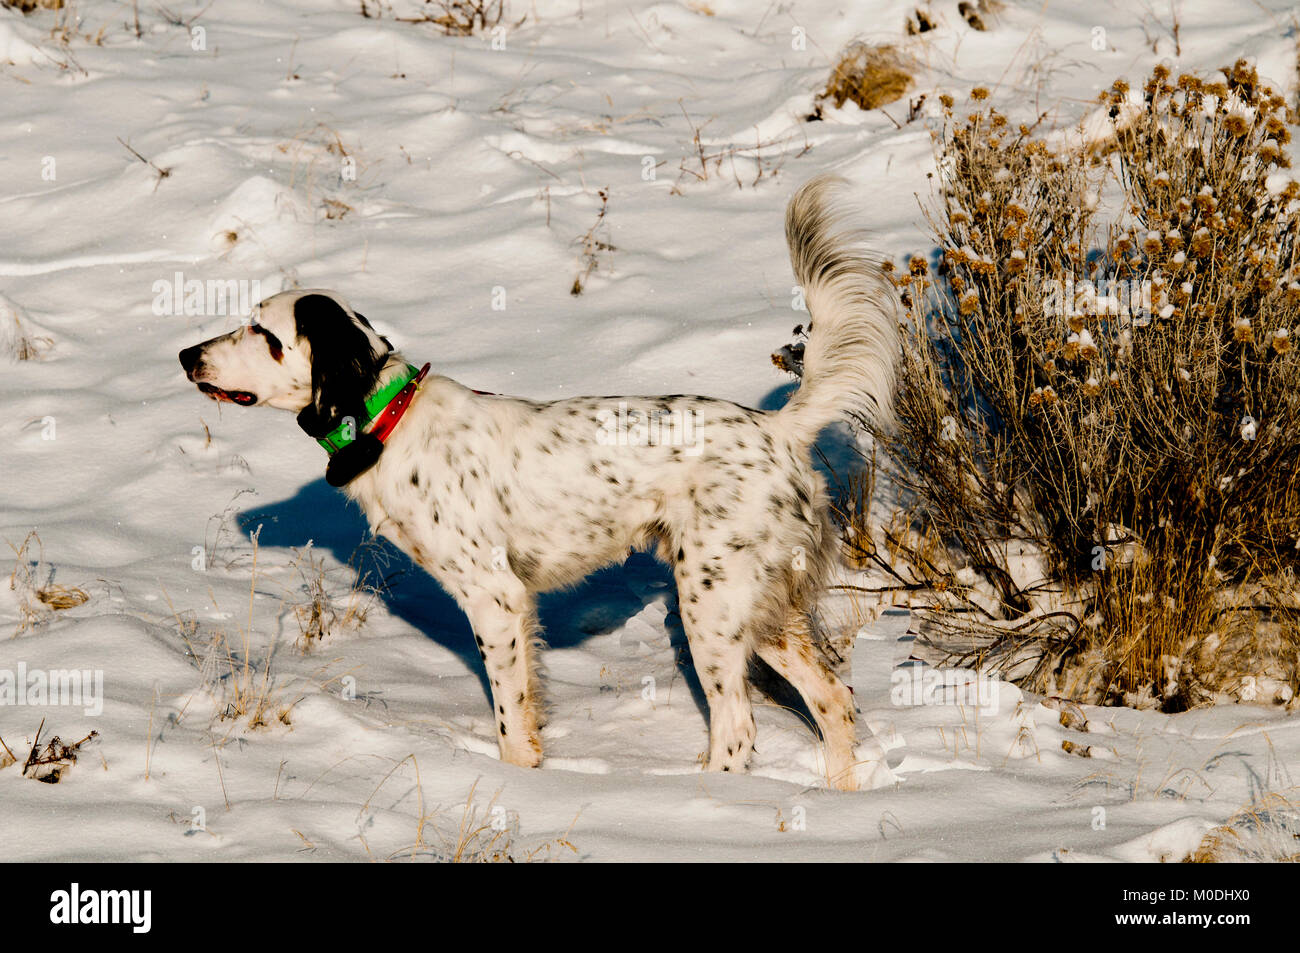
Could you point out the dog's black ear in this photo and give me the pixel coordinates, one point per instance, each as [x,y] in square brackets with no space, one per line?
[362,318]
[344,364]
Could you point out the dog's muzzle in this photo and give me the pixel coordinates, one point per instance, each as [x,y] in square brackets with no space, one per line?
[190,361]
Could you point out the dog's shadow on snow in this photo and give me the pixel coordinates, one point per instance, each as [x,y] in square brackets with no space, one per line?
[602,604]
[321,515]
[836,453]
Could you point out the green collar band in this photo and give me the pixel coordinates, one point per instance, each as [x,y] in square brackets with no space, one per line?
[347,432]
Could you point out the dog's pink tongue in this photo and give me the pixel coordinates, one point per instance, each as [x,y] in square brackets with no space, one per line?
[233,397]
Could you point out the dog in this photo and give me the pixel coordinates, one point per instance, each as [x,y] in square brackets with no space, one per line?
[501,499]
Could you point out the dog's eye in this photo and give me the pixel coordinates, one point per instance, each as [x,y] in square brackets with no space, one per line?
[272,342]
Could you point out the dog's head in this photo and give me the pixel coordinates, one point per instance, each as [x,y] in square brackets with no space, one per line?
[305,351]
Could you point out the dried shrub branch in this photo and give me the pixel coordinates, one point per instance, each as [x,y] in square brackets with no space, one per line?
[50,763]
[594,243]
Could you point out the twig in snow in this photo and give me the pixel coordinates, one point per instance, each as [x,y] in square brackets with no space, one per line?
[592,246]
[158,170]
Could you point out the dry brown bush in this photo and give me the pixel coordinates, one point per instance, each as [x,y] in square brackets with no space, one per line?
[29,6]
[455,17]
[871,76]
[1143,435]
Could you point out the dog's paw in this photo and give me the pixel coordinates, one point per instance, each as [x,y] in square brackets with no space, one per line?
[525,755]
[868,771]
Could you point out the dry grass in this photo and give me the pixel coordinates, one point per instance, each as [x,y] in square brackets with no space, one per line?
[764,158]
[1265,832]
[1145,447]
[325,167]
[479,837]
[32,580]
[220,535]
[242,689]
[478,840]
[320,138]
[22,344]
[231,673]
[67,23]
[870,76]
[483,834]
[7,757]
[319,607]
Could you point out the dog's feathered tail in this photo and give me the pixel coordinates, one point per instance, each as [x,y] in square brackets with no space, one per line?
[853,339]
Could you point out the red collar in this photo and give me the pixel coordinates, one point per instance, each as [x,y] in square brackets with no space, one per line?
[383,424]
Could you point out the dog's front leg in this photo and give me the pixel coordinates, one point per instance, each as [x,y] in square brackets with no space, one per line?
[505,627]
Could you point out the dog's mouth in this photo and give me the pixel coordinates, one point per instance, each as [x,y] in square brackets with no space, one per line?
[233,396]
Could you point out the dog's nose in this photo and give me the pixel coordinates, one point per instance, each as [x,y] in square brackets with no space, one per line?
[190,357]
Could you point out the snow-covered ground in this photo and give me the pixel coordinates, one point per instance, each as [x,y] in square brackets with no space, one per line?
[444,186]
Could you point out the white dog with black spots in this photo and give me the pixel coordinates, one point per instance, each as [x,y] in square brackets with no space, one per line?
[501,499]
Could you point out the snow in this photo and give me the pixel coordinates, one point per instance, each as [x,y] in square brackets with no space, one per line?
[430,179]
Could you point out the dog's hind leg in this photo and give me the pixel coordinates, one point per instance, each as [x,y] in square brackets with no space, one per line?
[720,648]
[505,627]
[795,658]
